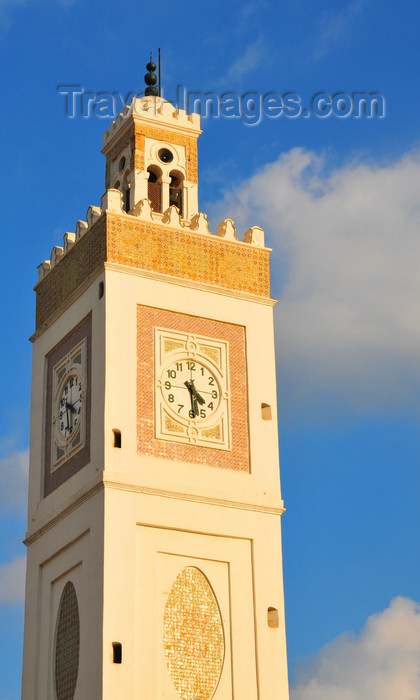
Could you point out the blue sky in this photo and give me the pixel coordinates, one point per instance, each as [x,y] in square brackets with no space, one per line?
[340,203]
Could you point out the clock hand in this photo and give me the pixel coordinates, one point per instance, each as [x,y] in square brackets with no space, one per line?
[71,407]
[196,394]
[194,407]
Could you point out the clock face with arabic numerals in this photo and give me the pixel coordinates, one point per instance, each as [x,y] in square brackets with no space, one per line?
[69,407]
[191,389]
[69,416]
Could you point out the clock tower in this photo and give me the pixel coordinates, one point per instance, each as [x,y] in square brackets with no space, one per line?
[153,545]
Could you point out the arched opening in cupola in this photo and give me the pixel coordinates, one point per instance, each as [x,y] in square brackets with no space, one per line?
[176,186]
[154,187]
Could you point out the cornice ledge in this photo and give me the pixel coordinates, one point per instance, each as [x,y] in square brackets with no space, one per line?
[78,501]
[181,496]
[180,281]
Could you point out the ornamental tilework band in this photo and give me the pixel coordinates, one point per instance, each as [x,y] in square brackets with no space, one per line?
[193,636]
[152,247]
[238,457]
[188,255]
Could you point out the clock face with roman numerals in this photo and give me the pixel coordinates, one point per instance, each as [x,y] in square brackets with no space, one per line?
[191,389]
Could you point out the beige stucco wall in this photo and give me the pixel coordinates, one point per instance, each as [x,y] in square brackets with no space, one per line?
[122,545]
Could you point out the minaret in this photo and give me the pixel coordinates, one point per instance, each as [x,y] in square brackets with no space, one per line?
[154,548]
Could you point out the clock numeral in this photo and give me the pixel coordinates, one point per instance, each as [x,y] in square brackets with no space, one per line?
[171,398]
[191,414]
[62,426]
[210,405]
[214,394]
[202,371]
[202,413]
[179,366]
[71,382]
[172,373]
[191,365]
[168,385]
[211,381]
[180,406]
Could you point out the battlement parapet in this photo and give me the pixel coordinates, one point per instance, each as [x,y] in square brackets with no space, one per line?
[112,202]
[153,111]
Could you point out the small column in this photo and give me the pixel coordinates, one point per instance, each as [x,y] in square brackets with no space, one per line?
[166,181]
[190,200]
[138,182]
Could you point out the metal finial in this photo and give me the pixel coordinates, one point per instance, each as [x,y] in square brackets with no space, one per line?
[150,79]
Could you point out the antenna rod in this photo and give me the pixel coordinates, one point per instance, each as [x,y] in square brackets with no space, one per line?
[160,84]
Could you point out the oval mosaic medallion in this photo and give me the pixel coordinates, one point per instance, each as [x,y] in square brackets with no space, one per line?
[67,644]
[193,636]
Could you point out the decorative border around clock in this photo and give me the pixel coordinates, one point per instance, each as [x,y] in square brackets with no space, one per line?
[237,457]
[54,477]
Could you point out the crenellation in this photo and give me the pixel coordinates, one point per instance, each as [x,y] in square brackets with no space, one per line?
[69,241]
[111,201]
[254,236]
[92,215]
[81,228]
[43,269]
[56,255]
[226,230]
[199,224]
[171,217]
[153,109]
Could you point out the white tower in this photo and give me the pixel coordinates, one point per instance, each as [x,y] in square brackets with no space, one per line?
[154,548]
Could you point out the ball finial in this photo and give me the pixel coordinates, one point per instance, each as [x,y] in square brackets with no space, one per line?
[151,79]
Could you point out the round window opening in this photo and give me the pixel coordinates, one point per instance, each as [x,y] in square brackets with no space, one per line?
[165,155]
[121,164]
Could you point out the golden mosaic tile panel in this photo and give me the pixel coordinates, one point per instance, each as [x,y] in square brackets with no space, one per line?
[193,636]
[189,142]
[188,255]
[154,247]
[67,645]
[73,269]
[237,457]
[213,353]
[170,345]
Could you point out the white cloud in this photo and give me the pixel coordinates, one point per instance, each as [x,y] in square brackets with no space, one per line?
[14,481]
[12,581]
[253,56]
[382,663]
[346,264]
[334,28]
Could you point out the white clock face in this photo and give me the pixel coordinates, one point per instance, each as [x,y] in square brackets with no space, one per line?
[70,406]
[190,390]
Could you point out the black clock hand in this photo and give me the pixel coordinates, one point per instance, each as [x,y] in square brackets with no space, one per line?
[196,394]
[71,407]
[194,407]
